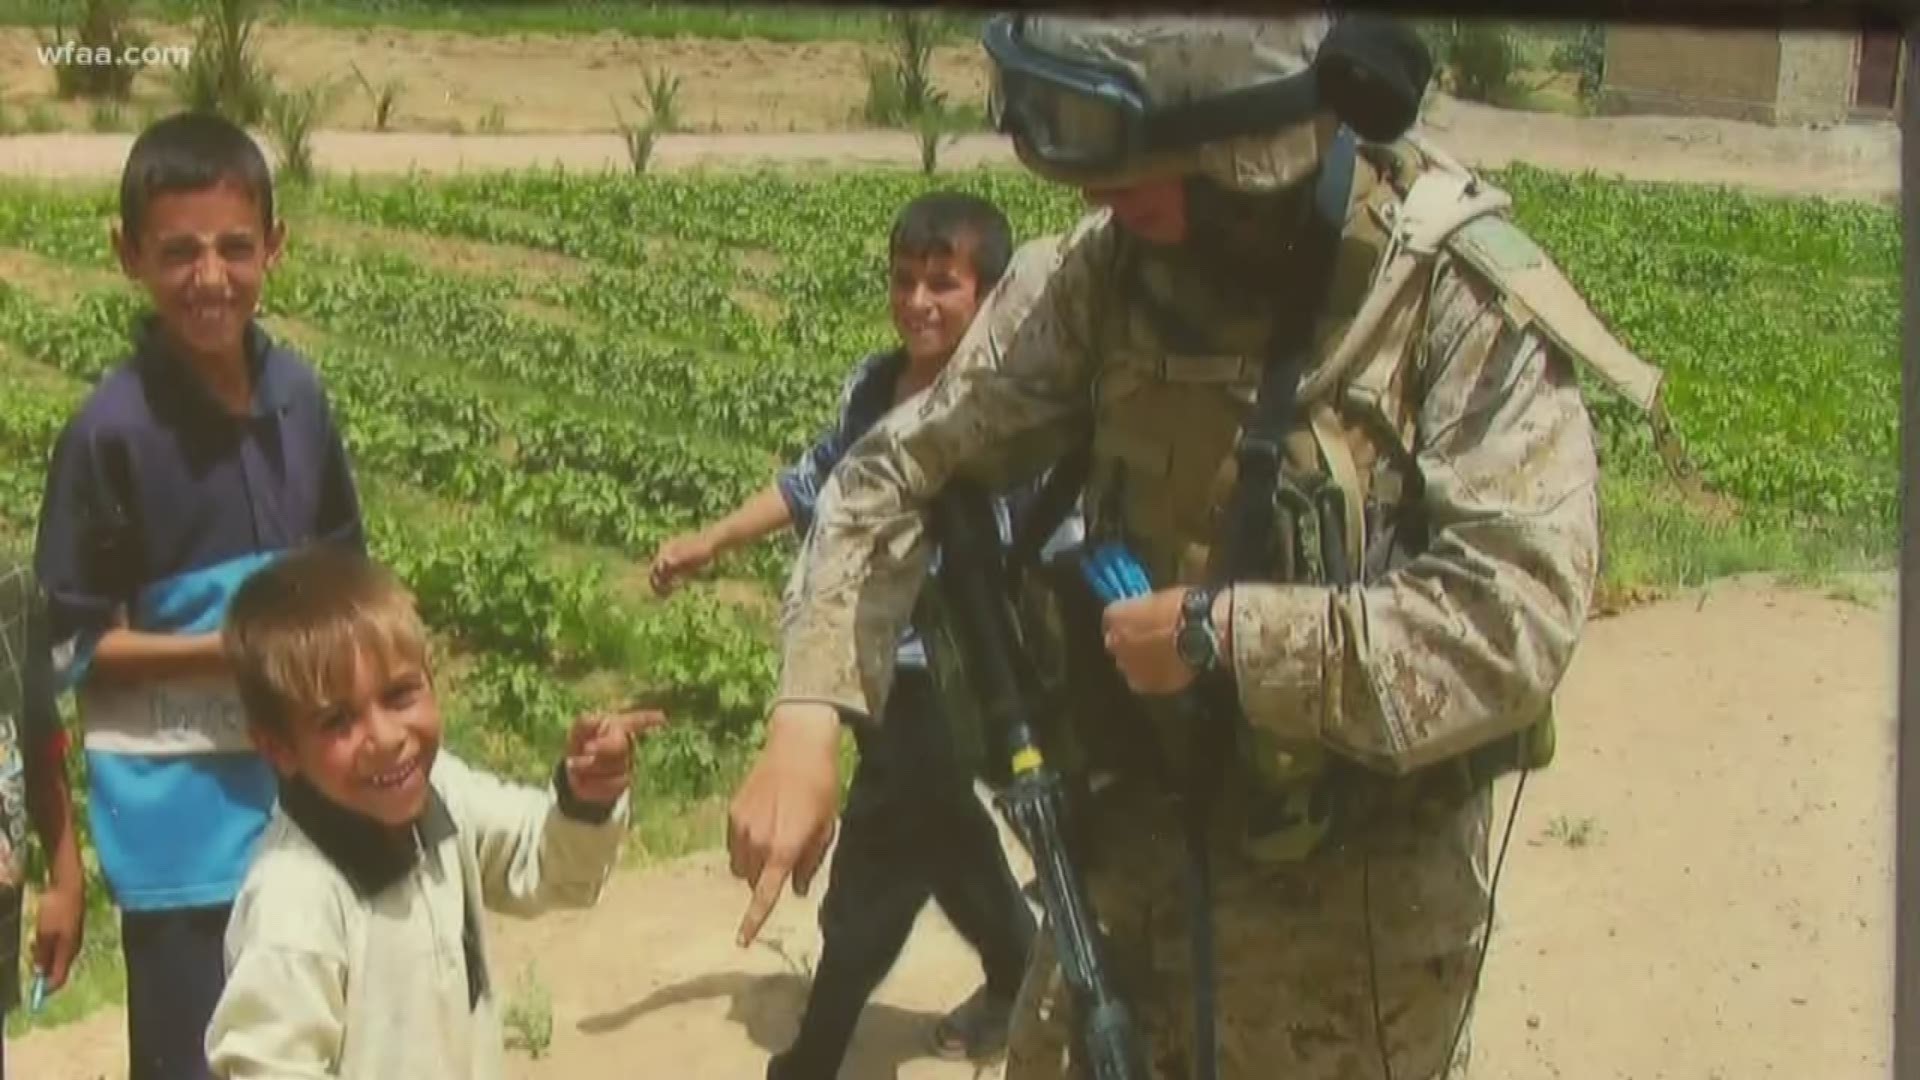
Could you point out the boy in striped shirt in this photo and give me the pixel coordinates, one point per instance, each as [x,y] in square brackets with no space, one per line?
[204,457]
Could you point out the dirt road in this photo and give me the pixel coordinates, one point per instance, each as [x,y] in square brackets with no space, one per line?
[1700,887]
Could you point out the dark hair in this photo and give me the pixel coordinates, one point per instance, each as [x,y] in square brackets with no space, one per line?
[936,223]
[190,151]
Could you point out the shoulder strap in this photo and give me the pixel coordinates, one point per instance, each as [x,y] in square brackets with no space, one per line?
[1250,515]
[1538,294]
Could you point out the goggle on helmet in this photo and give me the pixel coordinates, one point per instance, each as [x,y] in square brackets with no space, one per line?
[1084,120]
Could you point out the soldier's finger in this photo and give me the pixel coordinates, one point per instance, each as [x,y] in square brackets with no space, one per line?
[745,849]
[736,849]
[762,834]
[766,893]
[810,860]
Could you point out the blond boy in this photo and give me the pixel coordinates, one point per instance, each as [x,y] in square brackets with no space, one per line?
[357,945]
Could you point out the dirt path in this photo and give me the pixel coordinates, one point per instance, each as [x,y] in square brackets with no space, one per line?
[1701,887]
[1854,161]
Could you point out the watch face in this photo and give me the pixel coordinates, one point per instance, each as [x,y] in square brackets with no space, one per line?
[1195,646]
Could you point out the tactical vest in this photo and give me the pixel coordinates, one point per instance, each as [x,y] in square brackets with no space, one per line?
[1166,426]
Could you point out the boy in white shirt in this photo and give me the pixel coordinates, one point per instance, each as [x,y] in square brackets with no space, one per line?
[357,946]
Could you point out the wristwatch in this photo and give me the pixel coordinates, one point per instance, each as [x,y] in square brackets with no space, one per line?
[1195,639]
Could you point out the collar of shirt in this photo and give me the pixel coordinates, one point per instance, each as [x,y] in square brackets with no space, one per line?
[364,850]
[180,385]
[872,394]
[368,856]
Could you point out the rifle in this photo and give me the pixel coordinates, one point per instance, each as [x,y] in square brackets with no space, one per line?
[972,582]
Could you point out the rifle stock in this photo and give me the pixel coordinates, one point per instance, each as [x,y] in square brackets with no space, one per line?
[972,583]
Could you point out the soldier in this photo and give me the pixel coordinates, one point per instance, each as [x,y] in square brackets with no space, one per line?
[1327,392]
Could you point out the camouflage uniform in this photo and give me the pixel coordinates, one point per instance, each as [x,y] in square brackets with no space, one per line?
[1350,845]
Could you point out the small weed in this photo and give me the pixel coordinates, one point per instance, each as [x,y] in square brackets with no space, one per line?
[1573,833]
[495,121]
[528,1017]
[801,965]
[225,74]
[663,100]
[291,120]
[900,89]
[384,97]
[932,128]
[638,138]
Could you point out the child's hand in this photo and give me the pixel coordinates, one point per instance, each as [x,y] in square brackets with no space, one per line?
[678,558]
[58,930]
[600,753]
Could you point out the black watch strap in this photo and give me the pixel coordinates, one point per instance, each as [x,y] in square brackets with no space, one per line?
[1195,637]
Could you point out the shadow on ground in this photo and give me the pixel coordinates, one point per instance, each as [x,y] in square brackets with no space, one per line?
[768,1007]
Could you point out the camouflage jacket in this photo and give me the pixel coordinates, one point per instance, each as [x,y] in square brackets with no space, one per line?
[1461,642]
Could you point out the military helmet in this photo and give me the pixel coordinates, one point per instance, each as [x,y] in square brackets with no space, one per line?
[1249,103]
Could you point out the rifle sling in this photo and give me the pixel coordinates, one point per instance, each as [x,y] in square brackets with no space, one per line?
[1213,707]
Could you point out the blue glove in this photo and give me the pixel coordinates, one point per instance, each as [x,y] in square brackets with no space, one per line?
[1114,574]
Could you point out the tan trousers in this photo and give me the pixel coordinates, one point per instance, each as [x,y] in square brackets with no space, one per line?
[1376,933]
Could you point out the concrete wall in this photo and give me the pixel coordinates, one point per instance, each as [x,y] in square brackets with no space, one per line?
[1816,76]
[1682,71]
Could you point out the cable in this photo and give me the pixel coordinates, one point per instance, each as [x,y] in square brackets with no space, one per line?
[1480,963]
[1486,940]
[1373,968]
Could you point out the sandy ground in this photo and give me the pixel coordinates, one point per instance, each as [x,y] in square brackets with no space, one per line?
[1700,887]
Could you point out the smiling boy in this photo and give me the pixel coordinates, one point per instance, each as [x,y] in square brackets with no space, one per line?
[357,947]
[912,827]
[203,457]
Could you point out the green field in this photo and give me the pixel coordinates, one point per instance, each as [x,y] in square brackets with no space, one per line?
[541,375]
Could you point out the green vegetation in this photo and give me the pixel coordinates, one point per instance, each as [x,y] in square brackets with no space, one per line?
[541,375]
[1553,66]
[1778,322]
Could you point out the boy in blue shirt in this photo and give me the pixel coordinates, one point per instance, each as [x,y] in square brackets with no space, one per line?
[912,827]
[205,456]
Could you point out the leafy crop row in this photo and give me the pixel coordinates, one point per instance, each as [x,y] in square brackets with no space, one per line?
[493,586]
[1776,320]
